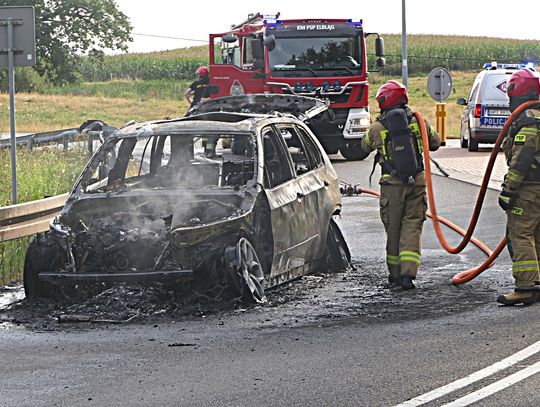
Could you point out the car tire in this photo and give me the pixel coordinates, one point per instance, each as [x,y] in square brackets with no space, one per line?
[462,142]
[43,254]
[245,271]
[473,145]
[337,256]
[353,152]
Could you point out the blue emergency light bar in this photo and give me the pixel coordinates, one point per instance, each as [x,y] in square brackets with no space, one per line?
[271,21]
[355,20]
[495,65]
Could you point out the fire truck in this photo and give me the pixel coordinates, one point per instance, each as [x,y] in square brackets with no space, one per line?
[322,58]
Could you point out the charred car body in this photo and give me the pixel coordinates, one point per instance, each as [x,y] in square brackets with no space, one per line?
[155,202]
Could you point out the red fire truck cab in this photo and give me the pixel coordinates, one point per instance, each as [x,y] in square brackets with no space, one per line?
[323,58]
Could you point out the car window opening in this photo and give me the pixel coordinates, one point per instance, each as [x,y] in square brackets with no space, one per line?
[171,162]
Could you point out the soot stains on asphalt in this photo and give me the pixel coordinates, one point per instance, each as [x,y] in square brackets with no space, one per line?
[362,293]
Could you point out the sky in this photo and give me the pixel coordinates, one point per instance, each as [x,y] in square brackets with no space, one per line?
[194,20]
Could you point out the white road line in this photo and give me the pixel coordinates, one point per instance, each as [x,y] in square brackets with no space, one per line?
[473,377]
[495,387]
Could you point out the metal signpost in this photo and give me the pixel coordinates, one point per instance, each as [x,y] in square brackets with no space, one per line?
[439,87]
[17,48]
[404,67]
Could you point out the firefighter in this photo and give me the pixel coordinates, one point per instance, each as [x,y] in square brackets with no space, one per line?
[197,90]
[403,202]
[520,195]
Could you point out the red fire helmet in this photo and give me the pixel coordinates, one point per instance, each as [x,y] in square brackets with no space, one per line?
[392,94]
[202,71]
[523,82]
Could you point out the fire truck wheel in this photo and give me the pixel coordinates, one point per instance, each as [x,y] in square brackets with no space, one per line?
[353,152]
[331,149]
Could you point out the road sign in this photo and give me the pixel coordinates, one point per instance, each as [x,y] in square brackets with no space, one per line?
[17,48]
[439,84]
[21,20]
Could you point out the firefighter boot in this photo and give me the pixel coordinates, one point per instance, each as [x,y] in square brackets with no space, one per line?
[407,282]
[394,279]
[525,297]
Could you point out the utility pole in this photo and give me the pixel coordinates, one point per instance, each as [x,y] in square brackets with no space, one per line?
[404,68]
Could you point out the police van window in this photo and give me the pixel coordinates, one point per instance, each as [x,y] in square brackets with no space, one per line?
[296,149]
[474,91]
[495,87]
[313,152]
[277,168]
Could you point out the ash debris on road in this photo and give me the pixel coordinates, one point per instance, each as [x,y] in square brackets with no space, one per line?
[313,299]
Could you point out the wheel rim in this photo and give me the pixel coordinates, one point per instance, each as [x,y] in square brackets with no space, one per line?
[250,270]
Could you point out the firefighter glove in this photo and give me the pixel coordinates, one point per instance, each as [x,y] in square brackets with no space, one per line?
[505,199]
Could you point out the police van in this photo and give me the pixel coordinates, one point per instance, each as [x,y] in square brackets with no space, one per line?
[486,110]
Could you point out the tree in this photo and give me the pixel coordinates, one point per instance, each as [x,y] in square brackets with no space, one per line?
[67,30]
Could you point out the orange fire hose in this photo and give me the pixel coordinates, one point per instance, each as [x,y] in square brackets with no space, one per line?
[470,274]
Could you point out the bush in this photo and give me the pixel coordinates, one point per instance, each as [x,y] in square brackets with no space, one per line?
[26,80]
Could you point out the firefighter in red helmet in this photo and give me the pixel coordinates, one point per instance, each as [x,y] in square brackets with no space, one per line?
[520,195]
[403,202]
[197,90]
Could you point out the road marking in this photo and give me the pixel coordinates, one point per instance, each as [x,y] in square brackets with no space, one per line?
[495,387]
[473,377]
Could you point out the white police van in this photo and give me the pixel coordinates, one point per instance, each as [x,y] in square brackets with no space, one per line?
[486,110]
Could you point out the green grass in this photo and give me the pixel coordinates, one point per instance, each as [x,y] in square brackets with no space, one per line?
[43,172]
[128,89]
[38,113]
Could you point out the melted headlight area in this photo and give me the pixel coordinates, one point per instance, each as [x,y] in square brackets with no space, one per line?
[112,248]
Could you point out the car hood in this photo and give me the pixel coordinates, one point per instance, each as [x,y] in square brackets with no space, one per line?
[301,107]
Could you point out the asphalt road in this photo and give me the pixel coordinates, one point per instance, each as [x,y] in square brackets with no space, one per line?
[326,340]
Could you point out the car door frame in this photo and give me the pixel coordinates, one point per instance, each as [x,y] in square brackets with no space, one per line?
[286,202]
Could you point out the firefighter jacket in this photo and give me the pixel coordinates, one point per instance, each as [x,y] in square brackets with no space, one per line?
[376,139]
[522,150]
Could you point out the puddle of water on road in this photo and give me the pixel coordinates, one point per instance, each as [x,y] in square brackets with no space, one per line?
[9,295]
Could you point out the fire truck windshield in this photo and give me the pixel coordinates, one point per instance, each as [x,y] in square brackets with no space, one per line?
[314,55]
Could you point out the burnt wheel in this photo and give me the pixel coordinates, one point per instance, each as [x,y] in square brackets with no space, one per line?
[43,254]
[245,271]
[336,254]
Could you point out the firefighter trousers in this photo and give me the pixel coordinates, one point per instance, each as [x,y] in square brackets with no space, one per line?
[523,234]
[403,212]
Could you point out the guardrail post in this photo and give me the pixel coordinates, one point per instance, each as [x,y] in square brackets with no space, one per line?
[65,141]
[90,145]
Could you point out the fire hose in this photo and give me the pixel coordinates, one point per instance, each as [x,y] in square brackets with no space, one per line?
[472,273]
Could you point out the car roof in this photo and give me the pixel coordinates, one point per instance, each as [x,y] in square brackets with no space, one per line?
[212,122]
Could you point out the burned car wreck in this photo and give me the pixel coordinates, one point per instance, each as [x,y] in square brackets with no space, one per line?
[239,200]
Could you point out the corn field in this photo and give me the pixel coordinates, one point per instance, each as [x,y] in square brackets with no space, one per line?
[455,53]
[425,52]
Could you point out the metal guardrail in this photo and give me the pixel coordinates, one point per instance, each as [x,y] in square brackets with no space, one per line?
[92,129]
[33,217]
[29,218]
